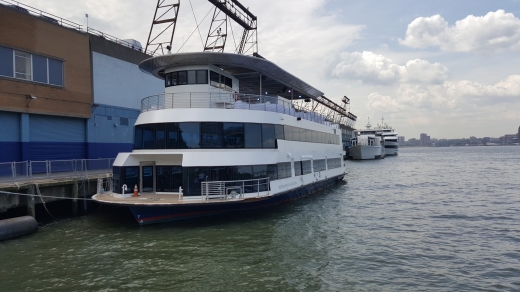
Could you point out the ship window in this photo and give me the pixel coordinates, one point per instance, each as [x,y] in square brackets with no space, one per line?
[222,173]
[253,135]
[333,163]
[130,177]
[272,171]
[260,171]
[160,139]
[190,135]
[169,178]
[297,168]
[116,179]
[214,79]
[288,132]
[284,170]
[308,135]
[193,176]
[192,77]
[319,165]
[279,131]
[167,79]
[233,135]
[138,137]
[268,136]
[202,76]
[306,167]
[174,78]
[222,81]
[148,136]
[182,78]
[314,137]
[211,135]
[229,83]
[172,136]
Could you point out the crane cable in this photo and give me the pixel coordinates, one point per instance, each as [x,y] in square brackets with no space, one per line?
[195,29]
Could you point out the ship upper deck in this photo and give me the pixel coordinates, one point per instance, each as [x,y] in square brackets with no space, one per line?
[266,84]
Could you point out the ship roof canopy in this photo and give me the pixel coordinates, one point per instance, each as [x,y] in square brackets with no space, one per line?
[246,69]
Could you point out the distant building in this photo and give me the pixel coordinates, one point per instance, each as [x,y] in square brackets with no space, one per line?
[486,140]
[473,141]
[425,140]
[400,140]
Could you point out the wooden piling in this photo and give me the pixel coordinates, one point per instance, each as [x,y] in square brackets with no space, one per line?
[31,209]
[75,192]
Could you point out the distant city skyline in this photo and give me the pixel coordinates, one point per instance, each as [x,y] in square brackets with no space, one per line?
[446,68]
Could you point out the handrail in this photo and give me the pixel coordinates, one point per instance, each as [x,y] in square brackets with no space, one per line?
[48,169]
[228,189]
[44,15]
[229,101]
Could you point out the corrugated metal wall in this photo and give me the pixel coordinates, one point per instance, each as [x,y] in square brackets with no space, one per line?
[54,137]
[10,146]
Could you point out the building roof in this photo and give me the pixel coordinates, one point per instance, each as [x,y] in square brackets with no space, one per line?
[246,69]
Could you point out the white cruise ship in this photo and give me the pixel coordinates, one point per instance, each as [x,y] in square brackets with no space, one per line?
[390,138]
[367,144]
[204,147]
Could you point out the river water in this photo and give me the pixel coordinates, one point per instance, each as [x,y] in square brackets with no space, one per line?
[430,219]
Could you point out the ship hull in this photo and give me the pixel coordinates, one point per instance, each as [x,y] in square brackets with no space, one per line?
[147,214]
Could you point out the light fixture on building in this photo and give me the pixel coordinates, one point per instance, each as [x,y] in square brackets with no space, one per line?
[30,96]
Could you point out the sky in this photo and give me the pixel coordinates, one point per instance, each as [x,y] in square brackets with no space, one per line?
[450,69]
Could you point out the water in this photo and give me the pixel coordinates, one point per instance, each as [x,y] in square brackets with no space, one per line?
[431,219]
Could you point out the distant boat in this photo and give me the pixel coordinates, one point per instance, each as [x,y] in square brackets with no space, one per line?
[367,144]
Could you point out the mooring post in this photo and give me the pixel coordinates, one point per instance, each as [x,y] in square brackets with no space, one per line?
[31,210]
[75,199]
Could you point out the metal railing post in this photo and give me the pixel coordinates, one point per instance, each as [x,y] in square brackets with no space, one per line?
[48,164]
[13,170]
[258,188]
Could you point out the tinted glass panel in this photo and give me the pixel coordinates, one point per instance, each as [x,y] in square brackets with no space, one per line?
[175,78]
[192,77]
[138,137]
[297,168]
[253,135]
[163,179]
[39,69]
[172,136]
[279,132]
[183,79]
[22,65]
[116,179]
[306,167]
[214,78]
[131,178]
[284,170]
[55,72]
[193,176]
[268,136]
[211,135]
[167,79]
[202,76]
[272,171]
[233,135]
[160,136]
[243,172]
[308,135]
[148,136]
[189,135]
[6,59]
[288,132]
[229,82]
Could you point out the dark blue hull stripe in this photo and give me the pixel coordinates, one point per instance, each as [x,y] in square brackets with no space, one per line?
[154,214]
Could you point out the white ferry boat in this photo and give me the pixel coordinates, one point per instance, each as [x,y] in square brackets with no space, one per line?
[367,144]
[389,136]
[204,147]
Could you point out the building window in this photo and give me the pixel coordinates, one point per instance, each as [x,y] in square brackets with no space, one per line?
[30,67]
[22,65]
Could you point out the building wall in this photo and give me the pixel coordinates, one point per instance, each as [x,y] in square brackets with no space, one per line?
[24,32]
[120,83]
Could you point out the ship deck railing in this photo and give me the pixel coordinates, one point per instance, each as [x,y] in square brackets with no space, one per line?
[229,101]
[235,189]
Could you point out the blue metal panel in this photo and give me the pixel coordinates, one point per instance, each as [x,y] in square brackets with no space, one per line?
[10,151]
[56,151]
[57,129]
[6,61]
[9,127]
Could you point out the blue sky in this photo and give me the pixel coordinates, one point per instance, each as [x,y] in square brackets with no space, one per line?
[447,68]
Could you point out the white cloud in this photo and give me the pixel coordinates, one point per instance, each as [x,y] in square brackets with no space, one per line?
[494,31]
[450,96]
[374,68]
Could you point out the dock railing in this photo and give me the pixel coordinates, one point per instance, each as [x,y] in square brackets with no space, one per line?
[228,101]
[53,169]
[233,189]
